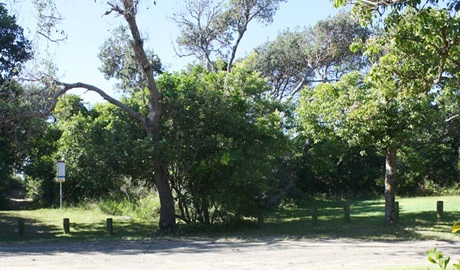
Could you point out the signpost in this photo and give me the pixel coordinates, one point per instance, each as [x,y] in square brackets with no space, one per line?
[60,178]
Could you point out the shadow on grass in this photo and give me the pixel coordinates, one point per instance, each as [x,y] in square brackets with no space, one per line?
[367,223]
[36,231]
[124,230]
[33,229]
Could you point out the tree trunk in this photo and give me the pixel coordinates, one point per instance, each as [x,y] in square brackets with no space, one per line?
[390,185]
[167,209]
[153,119]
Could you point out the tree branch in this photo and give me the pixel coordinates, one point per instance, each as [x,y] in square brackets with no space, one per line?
[89,87]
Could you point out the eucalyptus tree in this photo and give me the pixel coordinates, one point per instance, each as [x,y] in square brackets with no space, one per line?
[203,32]
[396,100]
[214,29]
[119,62]
[151,119]
[320,53]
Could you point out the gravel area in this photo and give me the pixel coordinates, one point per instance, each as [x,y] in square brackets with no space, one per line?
[224,254]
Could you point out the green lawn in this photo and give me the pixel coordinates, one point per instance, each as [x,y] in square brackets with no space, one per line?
[418,220]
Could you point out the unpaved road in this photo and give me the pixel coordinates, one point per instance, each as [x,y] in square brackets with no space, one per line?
[223,254]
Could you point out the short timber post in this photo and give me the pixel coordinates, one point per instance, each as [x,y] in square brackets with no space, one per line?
[440,209]
[66,225]
[21,226]
[314,215]
[109,224]
[346,213]
[260,220]
[397,210]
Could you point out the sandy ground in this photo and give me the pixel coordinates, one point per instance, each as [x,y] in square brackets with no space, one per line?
[269,254]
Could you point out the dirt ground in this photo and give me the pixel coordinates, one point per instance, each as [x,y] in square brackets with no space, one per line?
[223,254]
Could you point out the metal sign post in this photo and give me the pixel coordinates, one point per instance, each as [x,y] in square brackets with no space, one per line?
[60,178]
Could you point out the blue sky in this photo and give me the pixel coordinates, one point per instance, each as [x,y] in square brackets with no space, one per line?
[87,29]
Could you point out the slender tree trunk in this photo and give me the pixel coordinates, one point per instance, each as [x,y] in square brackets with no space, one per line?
[153,119]
[167,209]
[390,185]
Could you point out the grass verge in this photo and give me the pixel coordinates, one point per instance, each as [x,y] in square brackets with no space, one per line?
[418,221]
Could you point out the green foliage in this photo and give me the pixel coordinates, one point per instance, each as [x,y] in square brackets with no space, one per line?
[118,62]
[331,168]
[16,49]
[223,142]
[102,148]
[143,208]
[435,256]
[39,168]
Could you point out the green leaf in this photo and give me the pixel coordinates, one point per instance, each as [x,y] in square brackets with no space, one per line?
[432,260]
[338,3]
[456,265]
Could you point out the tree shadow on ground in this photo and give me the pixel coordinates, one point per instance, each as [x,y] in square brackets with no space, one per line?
[366,223]
[33,229]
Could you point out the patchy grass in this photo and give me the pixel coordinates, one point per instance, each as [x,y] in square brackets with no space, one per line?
[417,221]
[85,224]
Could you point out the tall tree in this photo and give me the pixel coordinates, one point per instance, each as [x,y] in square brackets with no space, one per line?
[399,95]
[210,27]
[15,50]
[151,119]
[203,31]
[119,62]
[315,54]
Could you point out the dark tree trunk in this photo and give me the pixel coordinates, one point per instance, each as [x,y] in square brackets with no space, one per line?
[390,185]
[153,120]
[167,208]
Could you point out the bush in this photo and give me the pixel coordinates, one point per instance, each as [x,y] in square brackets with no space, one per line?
[146,207]
[43,192]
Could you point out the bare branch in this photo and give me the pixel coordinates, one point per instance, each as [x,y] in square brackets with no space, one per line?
[57,40]
[89,87]
[451,118]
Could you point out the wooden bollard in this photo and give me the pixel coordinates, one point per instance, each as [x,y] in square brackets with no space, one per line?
[397,210]
[314,215]
[346,213]
[66,225]
[440,209]
[21,226]
[260,221]
[109,225]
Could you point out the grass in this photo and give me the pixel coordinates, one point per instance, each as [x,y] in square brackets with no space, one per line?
[417,221]
[85,224]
